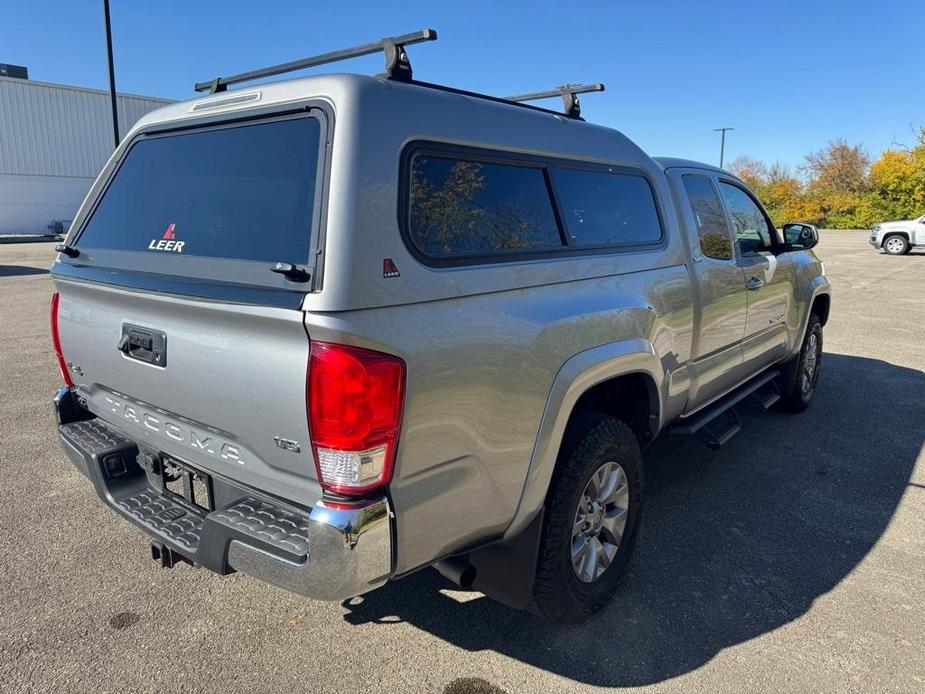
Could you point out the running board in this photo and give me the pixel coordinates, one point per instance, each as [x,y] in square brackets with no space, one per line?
[724,409]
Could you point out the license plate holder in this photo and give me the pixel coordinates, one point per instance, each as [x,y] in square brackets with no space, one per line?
[187,484]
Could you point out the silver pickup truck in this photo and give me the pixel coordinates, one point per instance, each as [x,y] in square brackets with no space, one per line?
[898,237]
[333,330]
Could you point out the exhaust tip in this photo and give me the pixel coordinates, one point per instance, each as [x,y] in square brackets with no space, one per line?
[457,570]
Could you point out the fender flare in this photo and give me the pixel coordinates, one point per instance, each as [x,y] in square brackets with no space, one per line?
[819,286]
[576,376]
[885,234]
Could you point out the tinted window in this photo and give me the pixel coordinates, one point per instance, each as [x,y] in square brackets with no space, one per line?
[753,234]
[459,206]
[606,209]
[245,192]
[715,240]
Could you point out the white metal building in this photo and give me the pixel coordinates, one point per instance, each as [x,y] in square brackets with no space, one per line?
[54,139]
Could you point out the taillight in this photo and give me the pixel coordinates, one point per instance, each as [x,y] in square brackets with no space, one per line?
[56,341]
[355,398]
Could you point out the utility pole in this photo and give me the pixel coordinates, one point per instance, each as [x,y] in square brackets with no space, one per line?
[112,74]
[722,143]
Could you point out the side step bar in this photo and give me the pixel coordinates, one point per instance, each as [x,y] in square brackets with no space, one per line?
[723,413]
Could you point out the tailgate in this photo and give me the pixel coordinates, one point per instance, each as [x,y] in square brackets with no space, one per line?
[233,380]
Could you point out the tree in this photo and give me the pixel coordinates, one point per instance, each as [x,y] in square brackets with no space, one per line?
[752,171]
[843,188]
[838,167]
[781,192]
[898,183]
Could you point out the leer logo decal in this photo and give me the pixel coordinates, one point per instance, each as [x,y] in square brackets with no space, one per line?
[389,268]
[167,242]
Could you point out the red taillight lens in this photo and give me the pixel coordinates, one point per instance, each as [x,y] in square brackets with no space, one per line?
[355,399]
[56,341]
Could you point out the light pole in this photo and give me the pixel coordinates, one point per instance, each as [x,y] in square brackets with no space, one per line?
[112,74]
[722,143]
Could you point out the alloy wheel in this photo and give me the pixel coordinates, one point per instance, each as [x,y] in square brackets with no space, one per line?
[600,520]
[810,363]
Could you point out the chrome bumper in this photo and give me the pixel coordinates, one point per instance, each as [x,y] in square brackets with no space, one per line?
[350,554]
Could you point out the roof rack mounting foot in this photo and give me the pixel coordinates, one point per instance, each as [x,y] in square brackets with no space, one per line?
[397,63]
[569,94]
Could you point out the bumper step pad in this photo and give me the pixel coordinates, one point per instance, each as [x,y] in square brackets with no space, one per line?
[95,438]
[164,517]
[284,532]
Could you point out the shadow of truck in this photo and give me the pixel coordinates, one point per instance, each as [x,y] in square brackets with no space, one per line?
[734,543]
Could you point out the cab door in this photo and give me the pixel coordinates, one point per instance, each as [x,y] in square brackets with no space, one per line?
[769,276]
[720,308]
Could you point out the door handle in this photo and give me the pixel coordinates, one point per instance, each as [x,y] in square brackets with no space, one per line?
[753,284]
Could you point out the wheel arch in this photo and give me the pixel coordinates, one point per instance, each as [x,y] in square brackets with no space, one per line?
[821,305]
[819,301]
[592,379]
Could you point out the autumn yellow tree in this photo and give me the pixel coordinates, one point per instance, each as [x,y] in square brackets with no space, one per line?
[839,187]
[897,182]
[781,192]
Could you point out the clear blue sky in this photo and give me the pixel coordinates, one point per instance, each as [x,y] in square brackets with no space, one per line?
[789,76]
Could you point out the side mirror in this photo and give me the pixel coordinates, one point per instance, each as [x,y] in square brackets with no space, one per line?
[800,236]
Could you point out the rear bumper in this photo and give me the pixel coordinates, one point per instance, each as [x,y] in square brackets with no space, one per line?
[329,553]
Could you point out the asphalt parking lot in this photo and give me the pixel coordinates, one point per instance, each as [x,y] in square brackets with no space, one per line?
[791,560]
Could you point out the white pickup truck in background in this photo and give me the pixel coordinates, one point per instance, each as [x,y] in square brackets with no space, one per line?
[898,237]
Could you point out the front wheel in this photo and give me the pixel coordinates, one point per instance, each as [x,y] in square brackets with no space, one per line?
[896,245]
[799,378]
[592,514]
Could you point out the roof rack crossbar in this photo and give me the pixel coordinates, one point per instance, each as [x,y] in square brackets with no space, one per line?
[569,94]
[397,64]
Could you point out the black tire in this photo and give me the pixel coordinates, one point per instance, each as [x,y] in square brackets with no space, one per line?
[795,397]
[592,441]
[895,244]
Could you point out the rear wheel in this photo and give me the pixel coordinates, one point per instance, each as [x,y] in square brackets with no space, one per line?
[798,383]
[896,245]
[593,509]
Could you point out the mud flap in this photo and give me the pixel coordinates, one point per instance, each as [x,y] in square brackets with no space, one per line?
[506,570]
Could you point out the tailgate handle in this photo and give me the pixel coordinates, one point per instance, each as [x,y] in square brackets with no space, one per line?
[133,340]
[144,345]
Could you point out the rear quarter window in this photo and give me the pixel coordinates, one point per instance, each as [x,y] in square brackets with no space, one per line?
[607,208]
[465,207]
[243,192]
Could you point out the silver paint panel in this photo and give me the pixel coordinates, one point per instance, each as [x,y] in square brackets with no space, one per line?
[480,370]
[235,375]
